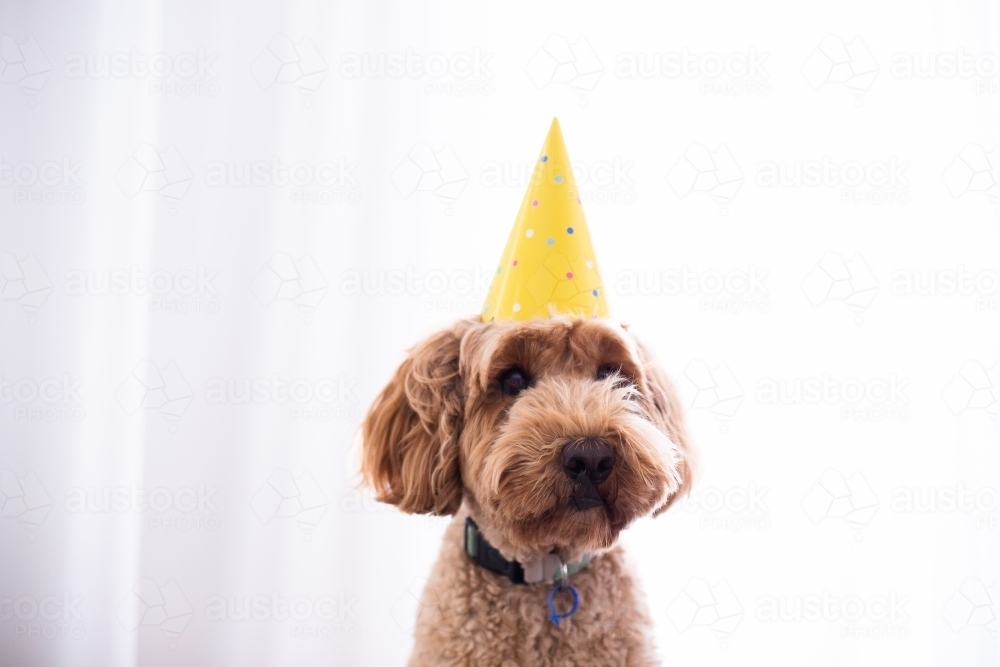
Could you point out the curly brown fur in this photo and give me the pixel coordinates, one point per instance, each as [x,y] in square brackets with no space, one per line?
[444,438]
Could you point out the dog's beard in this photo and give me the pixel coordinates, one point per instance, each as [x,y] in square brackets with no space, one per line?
[535,508]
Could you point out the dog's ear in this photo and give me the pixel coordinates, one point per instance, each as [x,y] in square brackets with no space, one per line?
[409,438]
[668,415]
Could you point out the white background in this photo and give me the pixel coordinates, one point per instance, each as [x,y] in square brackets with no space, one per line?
[852,290]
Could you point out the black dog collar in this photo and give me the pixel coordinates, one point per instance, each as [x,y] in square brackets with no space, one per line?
[548,569]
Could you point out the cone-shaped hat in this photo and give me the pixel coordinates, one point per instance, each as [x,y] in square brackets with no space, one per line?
[548,266]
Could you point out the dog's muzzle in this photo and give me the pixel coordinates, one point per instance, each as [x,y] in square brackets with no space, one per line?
[588,462]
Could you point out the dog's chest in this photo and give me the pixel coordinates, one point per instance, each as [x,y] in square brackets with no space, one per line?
[470,616]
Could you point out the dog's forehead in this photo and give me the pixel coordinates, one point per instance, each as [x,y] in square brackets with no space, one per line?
[596,338]
[544,343]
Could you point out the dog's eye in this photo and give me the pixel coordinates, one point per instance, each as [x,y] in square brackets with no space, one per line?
[607,370]
[514,381]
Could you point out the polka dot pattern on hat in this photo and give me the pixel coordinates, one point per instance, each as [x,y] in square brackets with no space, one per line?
[549,265]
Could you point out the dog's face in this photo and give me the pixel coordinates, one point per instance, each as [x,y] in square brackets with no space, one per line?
[557,434]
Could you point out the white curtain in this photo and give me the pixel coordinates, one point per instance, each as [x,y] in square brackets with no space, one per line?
[221,225]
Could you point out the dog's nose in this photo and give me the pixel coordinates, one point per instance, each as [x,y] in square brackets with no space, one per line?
[588,458]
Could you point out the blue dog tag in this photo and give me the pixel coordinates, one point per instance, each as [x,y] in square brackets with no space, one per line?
[555,616]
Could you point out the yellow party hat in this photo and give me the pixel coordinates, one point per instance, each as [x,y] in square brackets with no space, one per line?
[548,266]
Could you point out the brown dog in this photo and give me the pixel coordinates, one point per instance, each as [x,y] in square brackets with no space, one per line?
[545,439]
